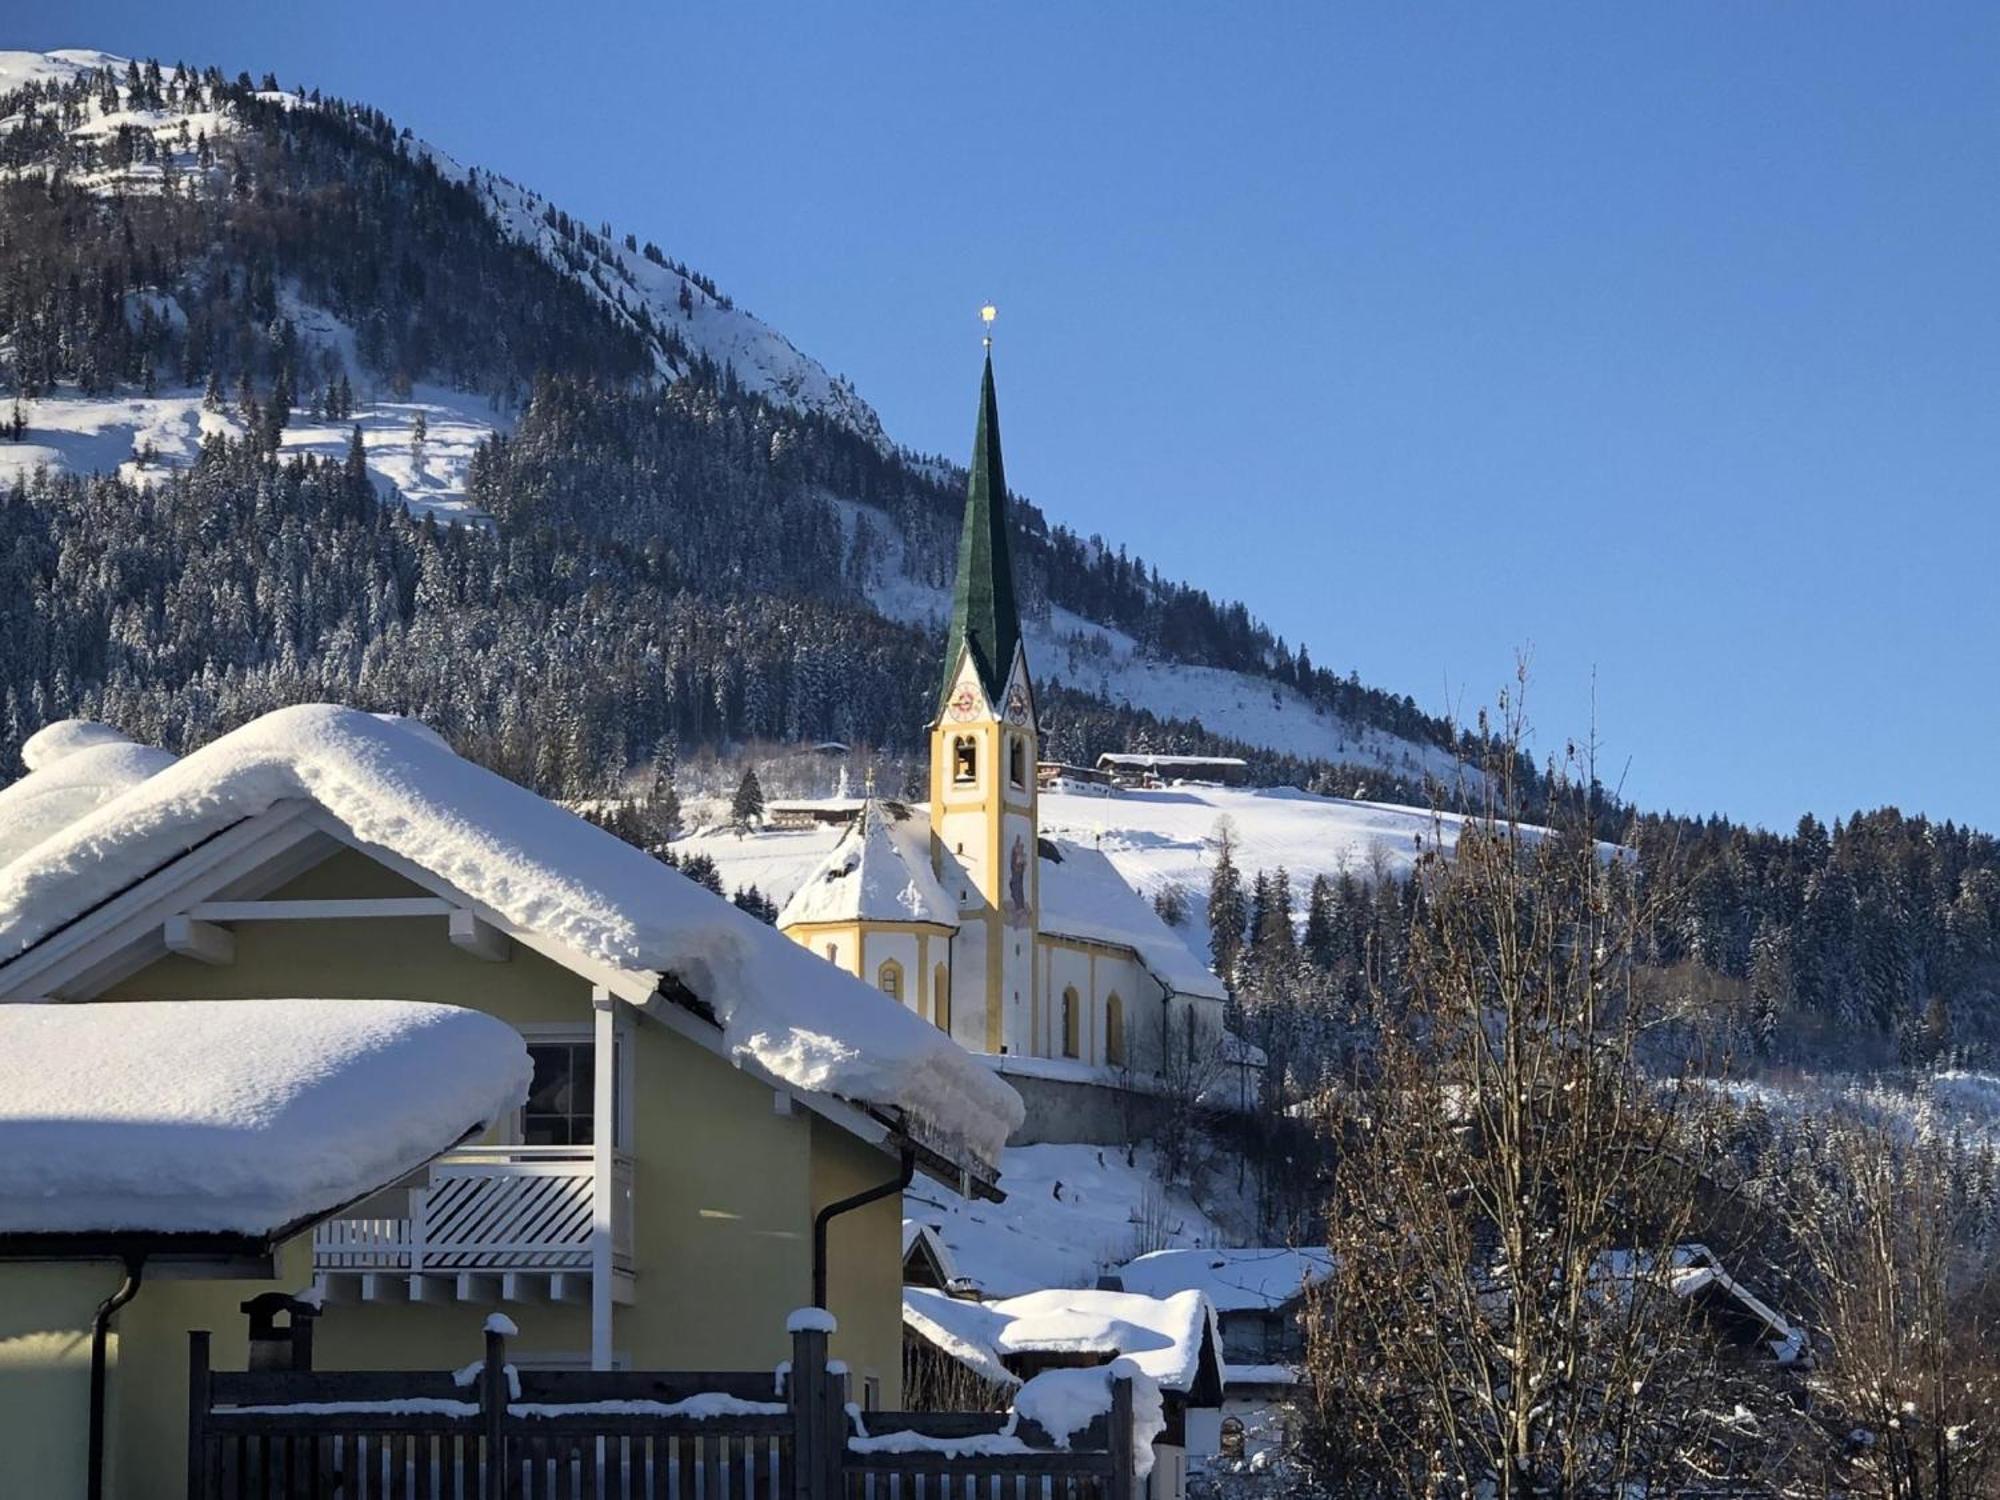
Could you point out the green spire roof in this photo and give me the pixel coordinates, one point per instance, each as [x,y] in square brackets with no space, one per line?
[983,614]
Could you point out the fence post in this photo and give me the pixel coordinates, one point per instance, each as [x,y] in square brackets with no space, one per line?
[198,1398]
[834,1429]
[1122,1480]
[806,1391]
[493,1412]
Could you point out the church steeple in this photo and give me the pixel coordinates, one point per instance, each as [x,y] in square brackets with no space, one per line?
[984,618]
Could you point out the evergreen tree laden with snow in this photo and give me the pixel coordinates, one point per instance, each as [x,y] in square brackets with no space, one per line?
[747,806]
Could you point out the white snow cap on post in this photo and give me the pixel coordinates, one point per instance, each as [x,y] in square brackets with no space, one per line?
[1064,1402]
[234,1116]
[811,1320]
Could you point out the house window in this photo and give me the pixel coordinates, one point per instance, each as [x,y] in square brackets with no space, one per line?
[941,998]
[1114,1031]
[964,760]
[560,1107]
[889,979]
[1072,1022]
[1017,761]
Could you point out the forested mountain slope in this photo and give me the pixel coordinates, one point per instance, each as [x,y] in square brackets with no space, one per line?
[231,277]
[235,319]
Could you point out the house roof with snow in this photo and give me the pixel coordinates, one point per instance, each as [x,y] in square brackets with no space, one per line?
[73,767]
[535,871]
[1174,1340]
[880,871]
[1261,1280]
[245,1117]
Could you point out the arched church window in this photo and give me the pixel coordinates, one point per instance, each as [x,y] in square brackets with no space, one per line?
[833,953]
[964,760]
[889,979]
[1072,1023]
[941,998]
[1114,1031]
[1017,762]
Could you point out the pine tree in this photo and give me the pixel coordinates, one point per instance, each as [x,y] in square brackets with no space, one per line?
[1226,911]
[748,805]
[1322,944]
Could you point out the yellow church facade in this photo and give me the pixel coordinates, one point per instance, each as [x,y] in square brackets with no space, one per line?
[1027,949]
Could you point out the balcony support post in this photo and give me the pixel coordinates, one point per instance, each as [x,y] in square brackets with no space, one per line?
[603,1142]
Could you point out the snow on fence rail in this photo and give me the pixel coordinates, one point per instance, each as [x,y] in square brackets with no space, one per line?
[492,1432]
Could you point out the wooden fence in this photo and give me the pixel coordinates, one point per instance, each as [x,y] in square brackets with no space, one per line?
[491,1432]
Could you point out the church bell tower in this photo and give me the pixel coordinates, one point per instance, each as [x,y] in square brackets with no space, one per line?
[983,753]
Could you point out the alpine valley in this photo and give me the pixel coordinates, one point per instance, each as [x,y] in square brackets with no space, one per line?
[294,407]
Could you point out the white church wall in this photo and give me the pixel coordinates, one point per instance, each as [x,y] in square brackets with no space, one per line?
[901,949]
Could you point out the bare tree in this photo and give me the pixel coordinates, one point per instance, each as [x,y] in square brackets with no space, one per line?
[1514,1194]
[1906,1297]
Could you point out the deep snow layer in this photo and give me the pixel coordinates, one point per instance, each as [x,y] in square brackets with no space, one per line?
[240,1116]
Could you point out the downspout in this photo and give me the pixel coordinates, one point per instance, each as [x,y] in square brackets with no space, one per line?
[100,1330]
[845,1206]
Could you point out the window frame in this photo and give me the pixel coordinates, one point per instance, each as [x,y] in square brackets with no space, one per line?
[890,969]
[965,760]
[564,1033]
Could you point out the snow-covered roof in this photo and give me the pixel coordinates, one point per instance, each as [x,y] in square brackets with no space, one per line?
[393,785]
[243,1117]
[880,872]
[1084,896]
[1166,1337]
[73,767]
[1232,1280]
[915,1232]
[1144,760]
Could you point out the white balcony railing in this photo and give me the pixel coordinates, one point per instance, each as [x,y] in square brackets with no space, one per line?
[490,1209]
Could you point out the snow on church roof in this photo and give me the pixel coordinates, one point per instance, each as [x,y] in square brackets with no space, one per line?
[234,1116]
[1084,896]
[73,766]
[394,785]
[879,872]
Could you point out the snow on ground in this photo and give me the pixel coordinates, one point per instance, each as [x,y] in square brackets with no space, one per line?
[1955,1102]
[102,434]
[1097,659]
[234,1116]
[1072,1213]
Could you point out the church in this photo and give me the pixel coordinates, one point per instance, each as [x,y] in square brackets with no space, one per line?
[1032,950]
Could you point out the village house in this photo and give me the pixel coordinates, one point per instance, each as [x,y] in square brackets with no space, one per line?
[719,1125]
[177,1156]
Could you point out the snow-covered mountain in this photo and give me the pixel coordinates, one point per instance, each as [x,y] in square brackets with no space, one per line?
[147,142]
[680,313]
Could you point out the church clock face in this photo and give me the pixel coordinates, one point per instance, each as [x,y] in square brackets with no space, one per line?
[964,703]
[1017,704]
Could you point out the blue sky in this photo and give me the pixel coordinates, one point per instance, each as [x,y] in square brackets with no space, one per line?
[1657,340]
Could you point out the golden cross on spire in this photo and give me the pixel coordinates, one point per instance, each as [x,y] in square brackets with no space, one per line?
[986,316]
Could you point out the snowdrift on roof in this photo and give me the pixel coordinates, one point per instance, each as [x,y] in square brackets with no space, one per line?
[880,871]
[235,1116]
[394,786]
[1163,1336]
[73,767]
[1232,1280]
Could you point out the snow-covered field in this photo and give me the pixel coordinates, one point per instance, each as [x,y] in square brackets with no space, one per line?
[1071,1213]
[102,434]
[1153,839]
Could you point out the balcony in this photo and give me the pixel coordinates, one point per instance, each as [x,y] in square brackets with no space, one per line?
[486,1224]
